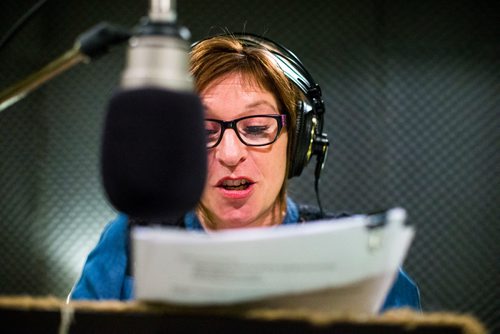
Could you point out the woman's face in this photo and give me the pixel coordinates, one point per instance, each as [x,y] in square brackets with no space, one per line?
[243,182]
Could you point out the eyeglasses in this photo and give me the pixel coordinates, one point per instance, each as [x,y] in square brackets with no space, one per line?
[258,130]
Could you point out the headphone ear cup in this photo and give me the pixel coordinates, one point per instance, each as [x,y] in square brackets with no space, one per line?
[302,142]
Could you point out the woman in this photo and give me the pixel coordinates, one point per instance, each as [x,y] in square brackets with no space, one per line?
[243,188]
[255,121]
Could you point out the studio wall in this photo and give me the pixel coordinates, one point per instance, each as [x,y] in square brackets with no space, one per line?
[412,96]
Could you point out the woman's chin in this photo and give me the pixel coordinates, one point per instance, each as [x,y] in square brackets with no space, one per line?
[245,216]
[234,222]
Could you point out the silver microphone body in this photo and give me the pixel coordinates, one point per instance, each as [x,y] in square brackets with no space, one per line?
[158,52]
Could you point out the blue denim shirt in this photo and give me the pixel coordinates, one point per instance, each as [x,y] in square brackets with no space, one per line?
[104,274]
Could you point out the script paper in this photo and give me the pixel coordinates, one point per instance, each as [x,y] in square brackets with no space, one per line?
[341,264]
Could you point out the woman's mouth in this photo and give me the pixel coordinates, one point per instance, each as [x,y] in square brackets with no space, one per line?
[238,184]
[236,188]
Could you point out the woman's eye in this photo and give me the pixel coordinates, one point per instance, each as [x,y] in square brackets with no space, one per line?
[255,130]
[211,133]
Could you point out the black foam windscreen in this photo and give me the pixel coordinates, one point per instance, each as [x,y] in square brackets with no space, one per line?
[153,155]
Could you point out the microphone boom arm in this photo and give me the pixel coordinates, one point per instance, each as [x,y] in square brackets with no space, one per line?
[22,88]
[89,45]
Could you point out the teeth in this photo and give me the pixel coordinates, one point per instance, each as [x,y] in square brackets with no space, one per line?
[234,183]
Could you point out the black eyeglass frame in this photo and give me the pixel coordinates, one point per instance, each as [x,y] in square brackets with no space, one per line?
[281,119]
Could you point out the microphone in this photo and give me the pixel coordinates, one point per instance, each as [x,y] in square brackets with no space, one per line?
[153,154]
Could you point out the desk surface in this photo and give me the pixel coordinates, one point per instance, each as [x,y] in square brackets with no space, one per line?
[48,315]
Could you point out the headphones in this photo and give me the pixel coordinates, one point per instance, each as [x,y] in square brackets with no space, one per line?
[309,139]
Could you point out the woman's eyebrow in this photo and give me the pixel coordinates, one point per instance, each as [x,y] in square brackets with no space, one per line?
[259,103]
[248,108]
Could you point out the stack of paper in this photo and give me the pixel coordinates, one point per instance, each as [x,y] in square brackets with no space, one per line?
[345,264]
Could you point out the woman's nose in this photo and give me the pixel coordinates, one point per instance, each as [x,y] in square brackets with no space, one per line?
[230,150]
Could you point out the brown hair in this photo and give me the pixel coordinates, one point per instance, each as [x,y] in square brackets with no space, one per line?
[215,57]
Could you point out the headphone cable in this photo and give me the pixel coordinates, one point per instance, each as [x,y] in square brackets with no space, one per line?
[318,199]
